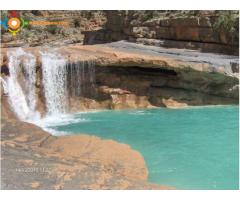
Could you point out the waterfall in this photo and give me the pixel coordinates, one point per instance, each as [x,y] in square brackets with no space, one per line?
[81,78]
[54,82]
[60,81]
[21,84]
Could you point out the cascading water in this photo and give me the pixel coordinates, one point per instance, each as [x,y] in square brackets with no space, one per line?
[81,77]
[59,79]
[21,84]
[54,82]
[62,81]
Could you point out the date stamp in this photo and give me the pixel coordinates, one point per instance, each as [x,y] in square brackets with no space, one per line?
[33,170]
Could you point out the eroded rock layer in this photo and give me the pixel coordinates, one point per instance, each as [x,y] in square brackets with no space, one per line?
[208,31]
[122,75]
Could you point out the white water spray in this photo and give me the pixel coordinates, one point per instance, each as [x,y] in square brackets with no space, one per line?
[54,82]
[21,84]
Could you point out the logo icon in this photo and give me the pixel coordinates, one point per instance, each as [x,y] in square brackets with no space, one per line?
[13,23]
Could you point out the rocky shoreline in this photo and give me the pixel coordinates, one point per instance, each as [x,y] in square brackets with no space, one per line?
[33,159]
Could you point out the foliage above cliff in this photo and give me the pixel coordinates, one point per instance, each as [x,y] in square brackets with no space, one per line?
[228,21]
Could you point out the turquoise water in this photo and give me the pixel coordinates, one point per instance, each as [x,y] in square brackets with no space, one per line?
[192,148]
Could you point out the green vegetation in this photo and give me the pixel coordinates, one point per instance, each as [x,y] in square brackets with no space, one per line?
[227,21]
[53,29]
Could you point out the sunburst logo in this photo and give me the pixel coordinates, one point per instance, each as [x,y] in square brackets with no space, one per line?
[13,23]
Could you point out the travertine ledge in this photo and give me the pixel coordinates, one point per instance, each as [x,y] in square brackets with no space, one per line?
[130,76]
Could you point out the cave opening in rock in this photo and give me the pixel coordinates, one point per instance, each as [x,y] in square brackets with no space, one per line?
[140,70]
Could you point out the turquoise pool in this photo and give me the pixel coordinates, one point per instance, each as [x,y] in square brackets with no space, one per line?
[190,148]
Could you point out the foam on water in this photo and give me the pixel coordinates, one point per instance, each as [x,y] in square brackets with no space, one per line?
[59,120]
[138,112]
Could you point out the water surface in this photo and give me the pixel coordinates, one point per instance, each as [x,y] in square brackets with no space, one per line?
[191,148]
